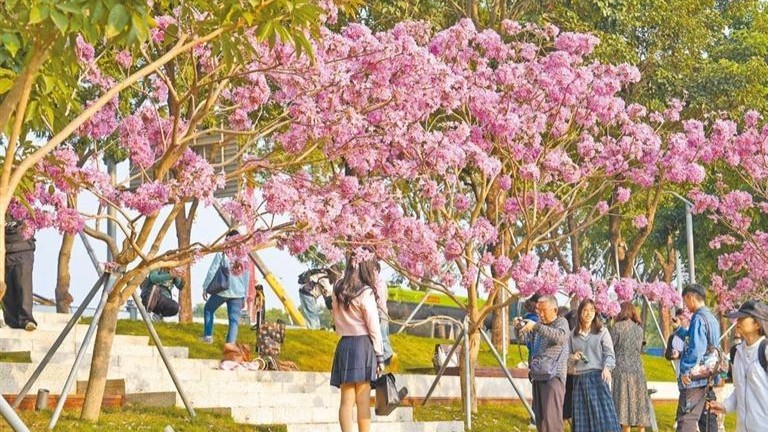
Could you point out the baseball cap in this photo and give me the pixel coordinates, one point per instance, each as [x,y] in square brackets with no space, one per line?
[752,308]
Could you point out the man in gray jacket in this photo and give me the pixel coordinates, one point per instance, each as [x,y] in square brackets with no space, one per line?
[548,364]
[19,259]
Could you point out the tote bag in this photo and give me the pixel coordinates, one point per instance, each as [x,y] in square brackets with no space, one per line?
[220,281]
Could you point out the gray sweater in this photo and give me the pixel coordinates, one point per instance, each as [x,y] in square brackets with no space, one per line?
[597,348]
[551,342]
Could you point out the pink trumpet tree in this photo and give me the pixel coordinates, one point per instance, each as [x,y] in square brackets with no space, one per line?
[456,157]
[737,200]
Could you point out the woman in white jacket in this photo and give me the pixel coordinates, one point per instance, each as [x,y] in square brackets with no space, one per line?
[750,379]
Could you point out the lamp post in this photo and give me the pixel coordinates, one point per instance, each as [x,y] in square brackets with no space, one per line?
[688,234]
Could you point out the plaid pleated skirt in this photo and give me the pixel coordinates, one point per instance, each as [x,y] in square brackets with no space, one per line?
[593,409]
[354,361]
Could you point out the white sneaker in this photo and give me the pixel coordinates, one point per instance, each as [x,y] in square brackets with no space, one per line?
[30,326]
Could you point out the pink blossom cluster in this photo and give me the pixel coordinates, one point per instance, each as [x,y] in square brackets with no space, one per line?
[416,129]
[427,120]
[742,261]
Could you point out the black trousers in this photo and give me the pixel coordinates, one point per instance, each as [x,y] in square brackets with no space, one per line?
[17,303]
[548,398]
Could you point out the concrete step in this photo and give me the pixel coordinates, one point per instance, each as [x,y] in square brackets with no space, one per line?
[307,415]
[20,340]
[13,376]
[213,381]
[442,426]
[265,398]
[122,355]
[52,319]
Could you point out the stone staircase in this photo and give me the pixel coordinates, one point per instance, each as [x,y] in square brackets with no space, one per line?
[303,401]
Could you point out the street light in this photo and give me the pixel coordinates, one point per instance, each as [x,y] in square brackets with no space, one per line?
[688,233]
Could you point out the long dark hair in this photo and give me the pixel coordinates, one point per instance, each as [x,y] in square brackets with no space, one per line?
[628,312]
[357,277]
[597,323]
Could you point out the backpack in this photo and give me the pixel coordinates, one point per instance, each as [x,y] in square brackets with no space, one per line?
[761,354]
[305,277]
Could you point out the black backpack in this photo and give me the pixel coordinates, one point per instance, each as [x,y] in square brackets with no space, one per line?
[761,354]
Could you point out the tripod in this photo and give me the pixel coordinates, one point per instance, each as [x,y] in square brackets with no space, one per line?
[709,396]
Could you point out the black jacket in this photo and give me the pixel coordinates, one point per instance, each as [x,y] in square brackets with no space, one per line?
[14,241]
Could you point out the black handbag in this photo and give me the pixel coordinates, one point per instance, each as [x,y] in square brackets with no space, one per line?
[220,281]
[388,397]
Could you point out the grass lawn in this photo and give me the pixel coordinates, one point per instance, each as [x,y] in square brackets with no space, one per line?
[435,298]
[312,350]
[513,417]
[139,419]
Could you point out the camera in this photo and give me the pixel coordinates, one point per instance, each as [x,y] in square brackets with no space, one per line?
[519,323]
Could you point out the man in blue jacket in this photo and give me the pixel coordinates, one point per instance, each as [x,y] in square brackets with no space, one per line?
[703,331]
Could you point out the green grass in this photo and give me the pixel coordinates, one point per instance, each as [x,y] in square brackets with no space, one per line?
[435,298]
[312,350]
[513,416]
[139,419]
[15,357]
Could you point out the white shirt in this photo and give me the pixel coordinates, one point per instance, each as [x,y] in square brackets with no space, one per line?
[750,390]
[678,344]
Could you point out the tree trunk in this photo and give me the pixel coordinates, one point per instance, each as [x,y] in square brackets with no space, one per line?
[63,297]
[664,311]
[618,246]
[183,237]
[474,350]
[102,350]
[497,325]
[3,208]
[575,252]
[667,265]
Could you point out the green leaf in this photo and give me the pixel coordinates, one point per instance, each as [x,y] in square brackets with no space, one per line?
[49,83]
[11,43]
[48,113]
[98,12]
[265,30]
[302,43]
[38,14]
[285,36]
[141,27]
[117,20]
[5,85]
[61,20]
[71,7]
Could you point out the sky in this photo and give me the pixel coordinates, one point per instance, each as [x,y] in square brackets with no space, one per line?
[207,227]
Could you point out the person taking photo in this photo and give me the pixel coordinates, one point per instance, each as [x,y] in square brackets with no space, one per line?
[749,398]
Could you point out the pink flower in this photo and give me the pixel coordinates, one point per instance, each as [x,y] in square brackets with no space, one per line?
[602,207]
[84,51]
[640,221]
[124,59]
[622,195]
[501,266]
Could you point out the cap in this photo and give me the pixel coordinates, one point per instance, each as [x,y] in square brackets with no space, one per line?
[752,308]
[695,288]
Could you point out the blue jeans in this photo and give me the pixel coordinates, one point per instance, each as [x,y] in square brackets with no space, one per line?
[234,306]
[310,310]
